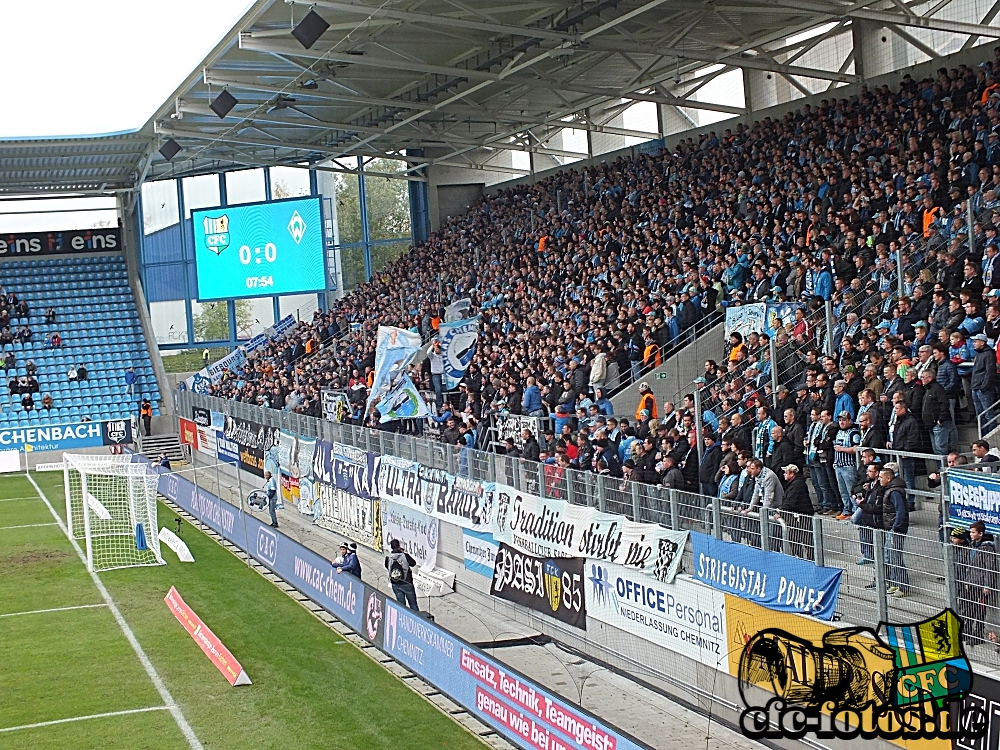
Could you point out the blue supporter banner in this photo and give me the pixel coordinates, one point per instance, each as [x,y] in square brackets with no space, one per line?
[458,344]
[771,579]
[973,496]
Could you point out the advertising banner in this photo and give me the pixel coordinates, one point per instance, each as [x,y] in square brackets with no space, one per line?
[779,314]
[227,450]
[553,586]
[201,417]
[554,528]
[418,533]
[745,319]
[65,242]
[516,707]
[973,496]
[63,436]
[520,710]
[458,345]
[188,432]
[458,500]
[304,470]
[771,579]
[253,441]
[683,616]
[207,442]
[392,389]
[208,641]
[480,552]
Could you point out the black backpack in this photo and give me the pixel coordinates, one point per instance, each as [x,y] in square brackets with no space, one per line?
[396,572]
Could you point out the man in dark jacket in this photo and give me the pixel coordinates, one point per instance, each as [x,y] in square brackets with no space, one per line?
[895,524]
[530,449]
[984,380]
[673,479]
[937,414]
[400,566]
[710,462]
[981,583]
[784,453]
[796,510]
[905,436]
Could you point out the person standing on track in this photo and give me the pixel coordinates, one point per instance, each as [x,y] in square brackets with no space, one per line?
[271,488]
[400,566]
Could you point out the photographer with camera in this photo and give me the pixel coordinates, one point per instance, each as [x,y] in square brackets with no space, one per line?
[400,566]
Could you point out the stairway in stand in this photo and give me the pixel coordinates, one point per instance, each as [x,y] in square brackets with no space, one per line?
[152,446]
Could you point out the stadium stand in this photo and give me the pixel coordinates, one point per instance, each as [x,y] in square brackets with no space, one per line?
[98,327]
[624,259]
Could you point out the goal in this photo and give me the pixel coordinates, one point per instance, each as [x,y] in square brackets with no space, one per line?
[111,504]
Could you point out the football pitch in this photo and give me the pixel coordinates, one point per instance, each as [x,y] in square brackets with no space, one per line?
[71,678]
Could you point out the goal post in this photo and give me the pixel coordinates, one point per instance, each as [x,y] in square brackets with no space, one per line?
[111,506]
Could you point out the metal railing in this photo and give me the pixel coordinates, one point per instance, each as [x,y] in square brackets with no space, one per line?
[922,554]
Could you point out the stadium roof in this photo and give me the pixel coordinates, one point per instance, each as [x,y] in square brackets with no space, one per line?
[458,76]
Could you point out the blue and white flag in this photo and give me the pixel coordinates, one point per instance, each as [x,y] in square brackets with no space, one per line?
[392,389]
[458,345]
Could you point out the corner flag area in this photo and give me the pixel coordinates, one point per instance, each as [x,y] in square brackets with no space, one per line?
[94,661]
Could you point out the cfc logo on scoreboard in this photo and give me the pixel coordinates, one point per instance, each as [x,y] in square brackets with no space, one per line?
[217,233]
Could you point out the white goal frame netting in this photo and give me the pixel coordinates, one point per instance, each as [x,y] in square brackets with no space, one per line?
[108,498]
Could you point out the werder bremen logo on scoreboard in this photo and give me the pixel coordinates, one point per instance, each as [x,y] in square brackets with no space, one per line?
[216,233]
[297,227]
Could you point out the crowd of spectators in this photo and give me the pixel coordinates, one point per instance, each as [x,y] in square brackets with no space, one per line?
[583,277]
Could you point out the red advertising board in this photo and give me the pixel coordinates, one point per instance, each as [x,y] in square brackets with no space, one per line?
[206,639]
[189,433]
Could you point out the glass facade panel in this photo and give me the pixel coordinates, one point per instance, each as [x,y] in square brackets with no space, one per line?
[245,186]
[169,322]
[200,192]
[343,190]
[289,182]
[159,206]
[385,253]
[388,201]
[352,265]
[299,305]
[253,316]
[211,321]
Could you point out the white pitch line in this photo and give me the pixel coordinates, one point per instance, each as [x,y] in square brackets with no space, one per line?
[11,499]
[55,609]
[161,688]
[84,718]
[27,526]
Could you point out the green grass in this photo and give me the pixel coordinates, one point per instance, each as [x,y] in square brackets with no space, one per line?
[189,360]
[311,688]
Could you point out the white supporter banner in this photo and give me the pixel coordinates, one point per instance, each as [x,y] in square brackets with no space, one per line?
[458,500]
[685,617]
[554,528]
[418,533]
[176,544]
[207,442]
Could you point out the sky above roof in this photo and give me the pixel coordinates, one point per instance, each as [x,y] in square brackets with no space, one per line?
[83,67]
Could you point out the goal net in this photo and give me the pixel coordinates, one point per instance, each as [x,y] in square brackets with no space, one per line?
[111,505]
